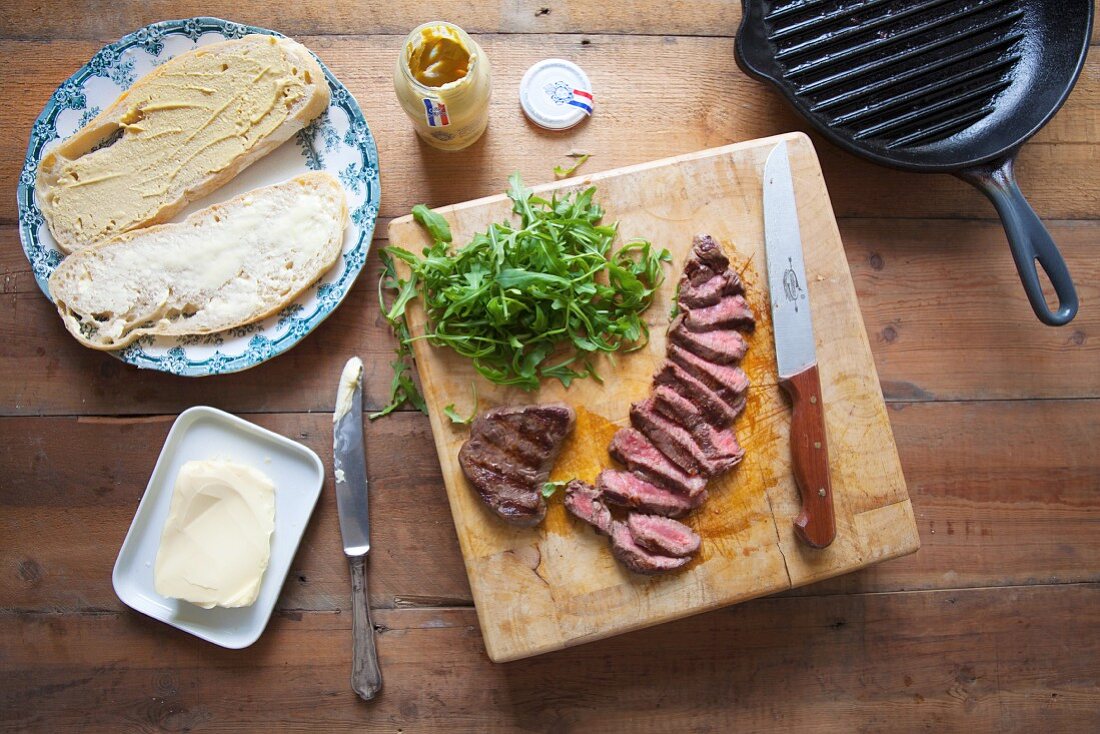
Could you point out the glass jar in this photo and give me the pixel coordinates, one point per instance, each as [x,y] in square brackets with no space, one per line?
[442,80]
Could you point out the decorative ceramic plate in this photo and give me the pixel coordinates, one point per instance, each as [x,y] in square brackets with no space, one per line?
[338,141]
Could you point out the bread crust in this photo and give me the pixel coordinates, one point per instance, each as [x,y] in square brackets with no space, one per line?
[49,169]
[73,320]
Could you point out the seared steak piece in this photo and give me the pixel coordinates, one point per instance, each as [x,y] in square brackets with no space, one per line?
[627,489]
[710,291]
[717,411]
[723,346]
[729,382]
[704,450]
[671,439]
[638,559]
[509,455]
[718,445]
[640,455]
[662,535]
[706,261]
[583,501]
[732,312]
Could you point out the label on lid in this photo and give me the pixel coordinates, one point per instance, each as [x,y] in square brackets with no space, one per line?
[556,94]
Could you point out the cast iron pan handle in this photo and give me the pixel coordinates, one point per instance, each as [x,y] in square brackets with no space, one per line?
[1029,239]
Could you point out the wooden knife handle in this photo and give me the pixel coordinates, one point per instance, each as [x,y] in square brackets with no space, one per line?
[366,676]
[816,524]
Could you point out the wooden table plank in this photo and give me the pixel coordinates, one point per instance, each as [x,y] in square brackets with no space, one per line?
[941,301]
[714,104]
[107,20]
[993,508]
[1005,660]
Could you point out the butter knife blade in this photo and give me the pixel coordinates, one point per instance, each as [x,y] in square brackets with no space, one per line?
[349,461]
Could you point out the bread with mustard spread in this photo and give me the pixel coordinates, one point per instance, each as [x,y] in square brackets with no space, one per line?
[224,266]
[178,133]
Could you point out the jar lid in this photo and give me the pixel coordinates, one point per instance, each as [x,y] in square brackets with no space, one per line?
[556,94]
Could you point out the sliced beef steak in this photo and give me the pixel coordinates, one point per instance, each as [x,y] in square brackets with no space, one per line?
[638,453]
[722,346]
[719,445]
[584,501]
[638,559]
[728,381]
[509,455]
[628,489]
[713,406]
[673,440]
[709,291]
[706,260]
[732,312]
[662,535]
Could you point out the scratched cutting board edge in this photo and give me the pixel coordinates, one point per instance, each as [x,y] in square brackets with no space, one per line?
[550,587]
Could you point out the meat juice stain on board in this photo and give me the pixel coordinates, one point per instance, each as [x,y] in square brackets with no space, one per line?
[583,456]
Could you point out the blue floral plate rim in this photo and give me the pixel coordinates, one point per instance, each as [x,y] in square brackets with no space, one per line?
[252,344]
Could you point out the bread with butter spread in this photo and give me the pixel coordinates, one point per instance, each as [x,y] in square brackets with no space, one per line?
[178,133]
[225,266]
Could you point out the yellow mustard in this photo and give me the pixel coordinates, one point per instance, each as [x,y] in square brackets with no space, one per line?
[442,80]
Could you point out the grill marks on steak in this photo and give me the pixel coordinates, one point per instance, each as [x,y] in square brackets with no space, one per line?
[509,455]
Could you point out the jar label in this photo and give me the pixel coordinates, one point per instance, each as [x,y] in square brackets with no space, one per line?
[436,112]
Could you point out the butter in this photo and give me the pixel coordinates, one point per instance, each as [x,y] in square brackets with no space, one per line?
[349,380]
[216,542]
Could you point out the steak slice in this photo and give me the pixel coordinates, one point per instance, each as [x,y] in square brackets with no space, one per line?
[729,382]
[673,440]
[709,291]
[723,346]
[713,406]
[638,559]
[583,500]
[662,535]
[509,455]
[706,260]
[719,446]
[627,489]
[638,453]
[731,312]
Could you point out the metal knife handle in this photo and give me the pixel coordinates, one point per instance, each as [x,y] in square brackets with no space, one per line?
[366,677]
[816,524]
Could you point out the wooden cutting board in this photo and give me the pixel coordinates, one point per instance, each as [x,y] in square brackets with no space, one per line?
[557,585]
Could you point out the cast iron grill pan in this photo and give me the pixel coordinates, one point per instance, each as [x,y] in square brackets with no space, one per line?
[954,86]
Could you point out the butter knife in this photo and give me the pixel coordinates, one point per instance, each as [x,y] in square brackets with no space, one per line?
[796,353]
[350,465]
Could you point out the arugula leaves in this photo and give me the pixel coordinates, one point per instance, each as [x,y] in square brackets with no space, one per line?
[529,300]
[578,161]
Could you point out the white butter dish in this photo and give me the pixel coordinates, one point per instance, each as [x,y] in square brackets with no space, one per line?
[208,433]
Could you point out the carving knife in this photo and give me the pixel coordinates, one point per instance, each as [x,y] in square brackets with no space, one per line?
[350,465]
[795,352]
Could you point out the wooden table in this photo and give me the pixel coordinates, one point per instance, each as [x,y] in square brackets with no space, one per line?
[994,625]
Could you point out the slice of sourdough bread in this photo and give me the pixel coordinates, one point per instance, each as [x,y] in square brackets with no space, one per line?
[178,133]
[228,265]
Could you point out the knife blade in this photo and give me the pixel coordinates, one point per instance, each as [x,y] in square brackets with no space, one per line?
[796,355]
[350,466]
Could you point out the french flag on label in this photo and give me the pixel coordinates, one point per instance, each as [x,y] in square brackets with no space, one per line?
[436,112]
[583,100]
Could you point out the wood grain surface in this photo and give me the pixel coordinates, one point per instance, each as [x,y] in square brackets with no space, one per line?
[572,590]
[990,627]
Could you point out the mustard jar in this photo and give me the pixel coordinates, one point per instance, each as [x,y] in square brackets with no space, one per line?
[442,80]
